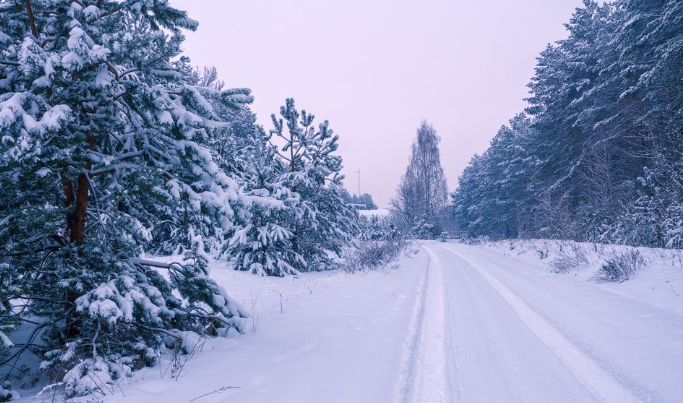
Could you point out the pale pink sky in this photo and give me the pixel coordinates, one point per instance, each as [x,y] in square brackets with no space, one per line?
[376,68]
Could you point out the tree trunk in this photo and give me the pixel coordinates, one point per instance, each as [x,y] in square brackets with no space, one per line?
[292,164]
[77,229]
[75,222]
[75,219]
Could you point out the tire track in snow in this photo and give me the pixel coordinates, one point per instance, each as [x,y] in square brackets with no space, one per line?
[592,375]
[424,372]
[410,345]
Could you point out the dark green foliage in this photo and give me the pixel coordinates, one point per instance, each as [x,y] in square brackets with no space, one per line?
[423,229]
[321,221]
[305,218]
[494,188]
[105,149]
[598,158]
[362,202]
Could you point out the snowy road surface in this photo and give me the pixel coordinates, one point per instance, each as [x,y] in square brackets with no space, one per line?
[455,323]
[479,342]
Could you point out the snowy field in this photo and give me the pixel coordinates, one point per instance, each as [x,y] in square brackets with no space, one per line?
[448,323]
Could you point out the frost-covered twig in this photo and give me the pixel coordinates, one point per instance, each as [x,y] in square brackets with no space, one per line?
[213,392]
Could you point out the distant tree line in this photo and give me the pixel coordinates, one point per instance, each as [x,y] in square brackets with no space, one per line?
[597,156]
[362,202]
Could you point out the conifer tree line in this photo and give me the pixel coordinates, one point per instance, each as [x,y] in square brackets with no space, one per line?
[111,146]
[597,156]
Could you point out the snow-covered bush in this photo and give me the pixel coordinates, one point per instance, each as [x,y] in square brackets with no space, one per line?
[373,255]
[264,250]
[6,392]
[569,258]
[542,253]
[479,240]
[375,228]
[90,376]
[261,241]
[122,322]
[621,266]
[423,229]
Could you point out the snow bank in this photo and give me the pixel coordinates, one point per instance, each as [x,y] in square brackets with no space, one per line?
[321,337]
[336,337]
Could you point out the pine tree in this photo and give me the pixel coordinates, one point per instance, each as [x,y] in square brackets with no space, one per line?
[231,141]
[101,136]
[321,222]
[297,212]
[493,197]
[422,192]
[423,229]
[261,242]
[565,109]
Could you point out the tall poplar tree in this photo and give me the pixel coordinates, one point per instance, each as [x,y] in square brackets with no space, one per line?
[422,194]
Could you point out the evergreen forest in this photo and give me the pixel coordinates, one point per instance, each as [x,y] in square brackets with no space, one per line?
[597,154]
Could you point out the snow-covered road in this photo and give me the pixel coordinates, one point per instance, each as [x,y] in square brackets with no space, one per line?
[451,323]
[479,342]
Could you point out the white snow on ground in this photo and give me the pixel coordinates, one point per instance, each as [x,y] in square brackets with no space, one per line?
[585,370]
[632,330]
[321,337]
[453,323]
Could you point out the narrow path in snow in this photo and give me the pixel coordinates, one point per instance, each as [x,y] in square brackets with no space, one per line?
[476,341]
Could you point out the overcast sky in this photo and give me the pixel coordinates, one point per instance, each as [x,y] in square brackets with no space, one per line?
[376,68]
